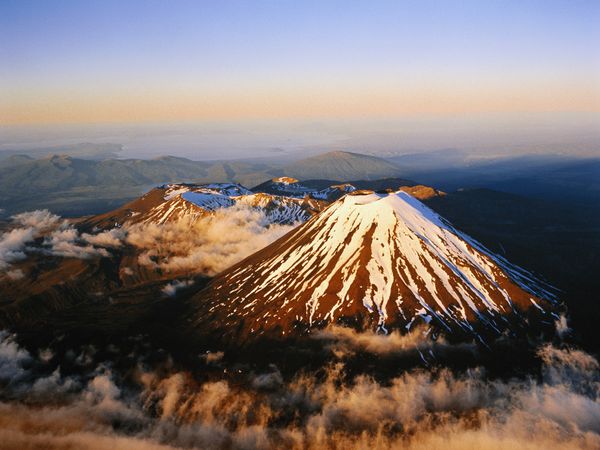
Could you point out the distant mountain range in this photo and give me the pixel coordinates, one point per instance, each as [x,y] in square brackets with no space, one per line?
[76,186]
[87,184]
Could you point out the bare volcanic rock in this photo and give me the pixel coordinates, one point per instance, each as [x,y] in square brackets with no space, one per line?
[422,192]
[381,260]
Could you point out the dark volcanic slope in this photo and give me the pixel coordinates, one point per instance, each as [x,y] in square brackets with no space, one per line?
[380,258]
[560,241]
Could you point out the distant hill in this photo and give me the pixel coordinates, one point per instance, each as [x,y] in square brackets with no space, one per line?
[560,177]
[64,172]
[74,186]
[14,160]
[342,166]
[83,150]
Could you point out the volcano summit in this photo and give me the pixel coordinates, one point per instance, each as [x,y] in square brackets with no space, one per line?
[381,260]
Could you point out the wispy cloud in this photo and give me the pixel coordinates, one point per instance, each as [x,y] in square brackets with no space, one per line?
[414,410]
[207,245]
[204,246]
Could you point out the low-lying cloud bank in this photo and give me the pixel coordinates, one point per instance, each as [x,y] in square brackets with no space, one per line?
[28,227]
[204,246]
[57,237]
[417,409]
[344,341]
[207,245]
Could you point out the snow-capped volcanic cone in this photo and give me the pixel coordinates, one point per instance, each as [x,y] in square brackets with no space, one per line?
[174,202]
[380,259]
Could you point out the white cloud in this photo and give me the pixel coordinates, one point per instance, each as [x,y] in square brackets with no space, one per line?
[207,245]
[12,245]
[59,239]
[171,288]
[204,246]
[110,238]
[40,220]
[67,243]
[15,275]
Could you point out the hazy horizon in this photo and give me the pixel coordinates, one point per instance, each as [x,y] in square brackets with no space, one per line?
[481,136]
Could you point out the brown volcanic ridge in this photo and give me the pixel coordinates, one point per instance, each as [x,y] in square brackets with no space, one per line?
[175,202]
[379,260]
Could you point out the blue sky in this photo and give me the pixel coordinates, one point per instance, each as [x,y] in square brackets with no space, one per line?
[130,37]
[249,53]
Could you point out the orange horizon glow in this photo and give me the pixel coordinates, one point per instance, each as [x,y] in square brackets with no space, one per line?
[126,62]
[146,106]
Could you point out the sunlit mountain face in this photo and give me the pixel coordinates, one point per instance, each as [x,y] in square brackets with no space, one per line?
[384,258]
